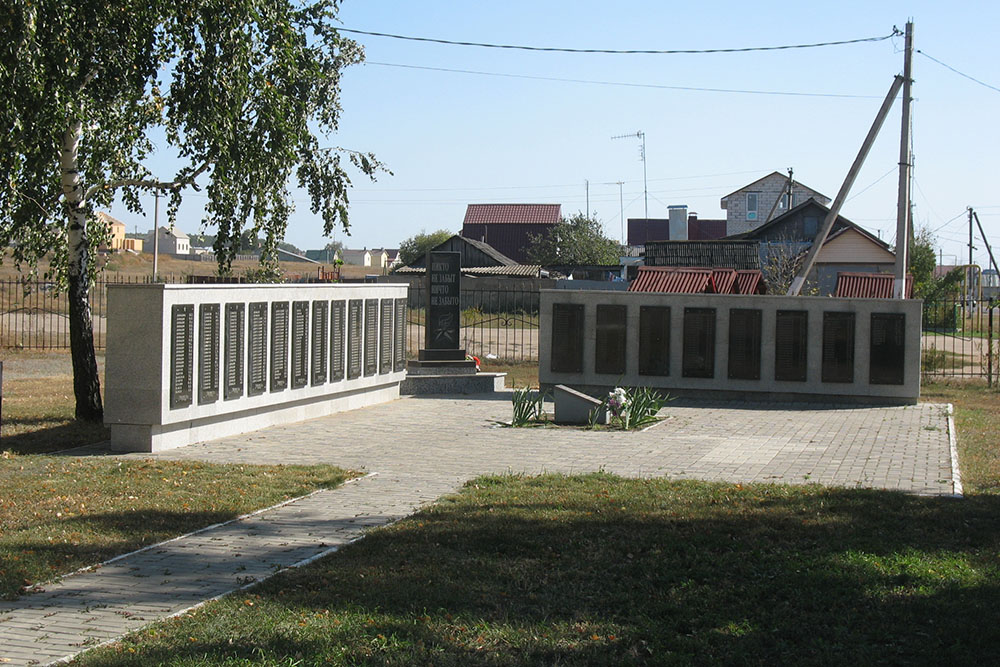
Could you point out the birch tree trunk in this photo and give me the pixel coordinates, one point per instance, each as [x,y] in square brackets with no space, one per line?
[86,381]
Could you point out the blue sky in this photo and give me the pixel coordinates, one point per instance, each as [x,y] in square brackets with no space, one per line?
[454,138]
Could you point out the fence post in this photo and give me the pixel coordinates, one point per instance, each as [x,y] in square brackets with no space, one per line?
[989,347]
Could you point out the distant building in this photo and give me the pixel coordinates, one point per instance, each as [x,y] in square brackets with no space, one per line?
[681,226]
[116,229]
[325,255]
[509,227]
[356,257]
[172,241]
[752,205]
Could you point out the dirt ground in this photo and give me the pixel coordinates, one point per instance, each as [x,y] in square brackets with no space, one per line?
[24,364]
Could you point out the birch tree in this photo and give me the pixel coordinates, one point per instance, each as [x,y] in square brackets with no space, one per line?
[244,92]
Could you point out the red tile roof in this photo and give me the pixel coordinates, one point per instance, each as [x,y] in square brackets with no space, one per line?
[534,214]
[725,281]
[750,282]
[673,280]
[869,285]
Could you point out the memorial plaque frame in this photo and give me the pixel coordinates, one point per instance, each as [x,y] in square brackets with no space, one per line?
[444,297]
[887,352]
[233,364]
[300,344]
[791,345]
[654,340]
[838,346]
[355,329]
[399,340]
[745,336]
[257,349]
[319,342]
[698,360]
[385,336]
[338,311]
[181,355]
[567,338]
[279,346]
[209,316]
[610,337]
[371,337]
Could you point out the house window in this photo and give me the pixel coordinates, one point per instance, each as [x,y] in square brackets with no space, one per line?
[752,205]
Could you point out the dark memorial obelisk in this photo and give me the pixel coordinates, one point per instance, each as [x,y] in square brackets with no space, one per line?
[441,352]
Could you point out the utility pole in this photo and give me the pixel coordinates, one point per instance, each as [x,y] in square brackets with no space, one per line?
[790,172]
[641,136]
[156,234]
[986,242]
[903,200]
[971,247]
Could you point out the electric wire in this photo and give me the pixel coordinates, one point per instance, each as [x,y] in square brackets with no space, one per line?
[945,65]
[519,47]
[873,184]
[624,84]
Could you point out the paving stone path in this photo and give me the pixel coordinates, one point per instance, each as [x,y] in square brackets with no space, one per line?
[422,448]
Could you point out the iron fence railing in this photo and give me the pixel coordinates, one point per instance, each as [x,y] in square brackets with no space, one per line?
[959,339]
[497,324]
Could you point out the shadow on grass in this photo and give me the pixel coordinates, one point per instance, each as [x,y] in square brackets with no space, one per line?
[609,571]
[41,440]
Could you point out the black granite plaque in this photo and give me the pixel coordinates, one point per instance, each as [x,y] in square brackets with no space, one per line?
[233,367]
[609,346]
[181,355]
[838,347]
[699,343]
[567,338]
[385,336]
[399,337]
[208,353]
[338,312]
[257,349]
[791,333]
[654,340]
[744,343]
[888,348]
[279,345]
[443,301]
[355,329]
[371,336]
[300,344]
[320,334]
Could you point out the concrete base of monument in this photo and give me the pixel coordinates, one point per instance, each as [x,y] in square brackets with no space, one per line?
[478,383]
[463,367]
[158,437]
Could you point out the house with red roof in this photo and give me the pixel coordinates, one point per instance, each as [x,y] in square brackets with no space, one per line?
[509,227]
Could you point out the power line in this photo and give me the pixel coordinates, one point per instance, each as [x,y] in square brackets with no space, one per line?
[624,84]
[970,78]
[936,229]
[873,184]
[519,47]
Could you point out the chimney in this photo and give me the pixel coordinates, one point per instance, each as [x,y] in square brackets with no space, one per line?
[678,222]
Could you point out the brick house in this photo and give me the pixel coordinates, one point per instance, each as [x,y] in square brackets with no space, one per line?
[750,206]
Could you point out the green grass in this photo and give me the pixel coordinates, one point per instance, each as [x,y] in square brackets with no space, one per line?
[977,419]
[58,514]
[38,417]
[598,570]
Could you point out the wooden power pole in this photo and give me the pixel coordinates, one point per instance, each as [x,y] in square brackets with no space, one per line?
[905,164]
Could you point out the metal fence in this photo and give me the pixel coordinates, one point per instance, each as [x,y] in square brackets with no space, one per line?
[34,314]
[959,339]
[497,324]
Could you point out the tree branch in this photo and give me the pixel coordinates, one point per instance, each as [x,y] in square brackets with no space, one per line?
[149,184]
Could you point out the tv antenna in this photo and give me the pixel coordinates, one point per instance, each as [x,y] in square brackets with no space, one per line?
[641,136]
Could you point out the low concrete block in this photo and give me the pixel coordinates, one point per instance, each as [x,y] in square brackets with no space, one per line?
[480,383]
[574,407]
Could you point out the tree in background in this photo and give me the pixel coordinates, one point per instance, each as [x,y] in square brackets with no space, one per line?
[417,245]
[576,240]
[923,260]
[238,90]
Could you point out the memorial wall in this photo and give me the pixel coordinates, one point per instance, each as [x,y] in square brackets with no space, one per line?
[742,346]
[189,363]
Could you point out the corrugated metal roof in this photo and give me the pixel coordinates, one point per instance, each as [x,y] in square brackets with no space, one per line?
[728,254]
[518,270]
[512,213]
[751,282]
[725,281]
[869,285]
[673,280]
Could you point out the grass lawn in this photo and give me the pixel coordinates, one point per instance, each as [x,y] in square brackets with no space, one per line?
[602,570]
[38,417]
[59,513]
[977,419]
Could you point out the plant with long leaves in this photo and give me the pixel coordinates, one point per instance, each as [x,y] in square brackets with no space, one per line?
[528,407]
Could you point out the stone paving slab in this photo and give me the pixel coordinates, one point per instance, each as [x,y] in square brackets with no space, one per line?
[423,448]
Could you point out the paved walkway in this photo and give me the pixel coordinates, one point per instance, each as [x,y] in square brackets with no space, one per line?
[422,448]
